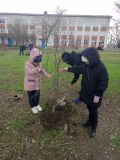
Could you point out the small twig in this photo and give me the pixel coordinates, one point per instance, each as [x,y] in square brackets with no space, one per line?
[53,109]
[65,128]
[65,144]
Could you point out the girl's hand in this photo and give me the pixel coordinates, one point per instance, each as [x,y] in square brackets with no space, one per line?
[48,76]
[64,69]
[39,69]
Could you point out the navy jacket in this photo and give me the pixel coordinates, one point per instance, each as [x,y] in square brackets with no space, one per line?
[23,47]
[30,46]
[94,77]
[73,59]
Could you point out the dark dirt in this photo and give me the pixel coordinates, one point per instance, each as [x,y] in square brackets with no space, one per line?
[58,119]
[76,144]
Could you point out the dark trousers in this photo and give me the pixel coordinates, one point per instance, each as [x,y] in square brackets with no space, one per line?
[93,115]
[21,51]
[34,97]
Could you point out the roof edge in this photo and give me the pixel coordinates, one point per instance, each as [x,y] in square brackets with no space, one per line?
[64,15]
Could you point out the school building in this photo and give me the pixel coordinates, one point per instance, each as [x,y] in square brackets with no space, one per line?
[79,31]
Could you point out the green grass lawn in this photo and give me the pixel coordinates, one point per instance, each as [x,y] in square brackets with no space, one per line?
[22,134]
[12,69]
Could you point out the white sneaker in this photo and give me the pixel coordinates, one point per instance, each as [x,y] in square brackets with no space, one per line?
[34,110]
[38,108]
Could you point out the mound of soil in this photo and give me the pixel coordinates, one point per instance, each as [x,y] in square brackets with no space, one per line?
[55,120]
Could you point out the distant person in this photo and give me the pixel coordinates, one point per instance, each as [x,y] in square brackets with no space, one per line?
[94,83]
[33,69]
[99,48]
[30,46]
[73,59]
[22,49]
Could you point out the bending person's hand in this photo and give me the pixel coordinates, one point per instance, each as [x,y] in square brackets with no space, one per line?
[96,99]
[64,69]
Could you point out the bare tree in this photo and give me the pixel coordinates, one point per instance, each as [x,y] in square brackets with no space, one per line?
[114,30]
[18,32]
[59,97]
[114,36]
[48,23]
[117,6]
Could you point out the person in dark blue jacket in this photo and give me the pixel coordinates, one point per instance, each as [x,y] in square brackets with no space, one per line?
[93,85]
[22,49]
[73,59]
[30,46]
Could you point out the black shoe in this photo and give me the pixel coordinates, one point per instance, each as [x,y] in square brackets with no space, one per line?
[77,101]
[87,123]
[93,131]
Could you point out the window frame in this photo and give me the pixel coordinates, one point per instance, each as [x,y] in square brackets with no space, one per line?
[64,23]
[2,20]
[86,41]
[80,23]
[24,22]
[72,23]
[63,41]
[56,41]
[32,21]
[88,23]
[71,41]
[78,41]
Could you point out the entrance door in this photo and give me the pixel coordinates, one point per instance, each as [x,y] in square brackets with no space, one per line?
[43,44]
[10,42]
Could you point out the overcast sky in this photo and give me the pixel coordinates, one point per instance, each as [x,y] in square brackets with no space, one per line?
[87,7]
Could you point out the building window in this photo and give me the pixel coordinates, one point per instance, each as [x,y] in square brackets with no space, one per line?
[94,41]
[86,41]
[9,21]
[32,31]
[17,21]
[56,32]
[2,21]
[71,41]
[95,23]
[44,32]
[24,21]
[32,22]
[101,42]
[9,30]
[88,24]
[56,41]
[2,30]
[103,24]
[3,39]
[86,33]
[72,23]
[79,33]
[80,23]
[78,42]
[58,23]
[64,23]
[63,41]
[63,33]
[71,32]
[33,40]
